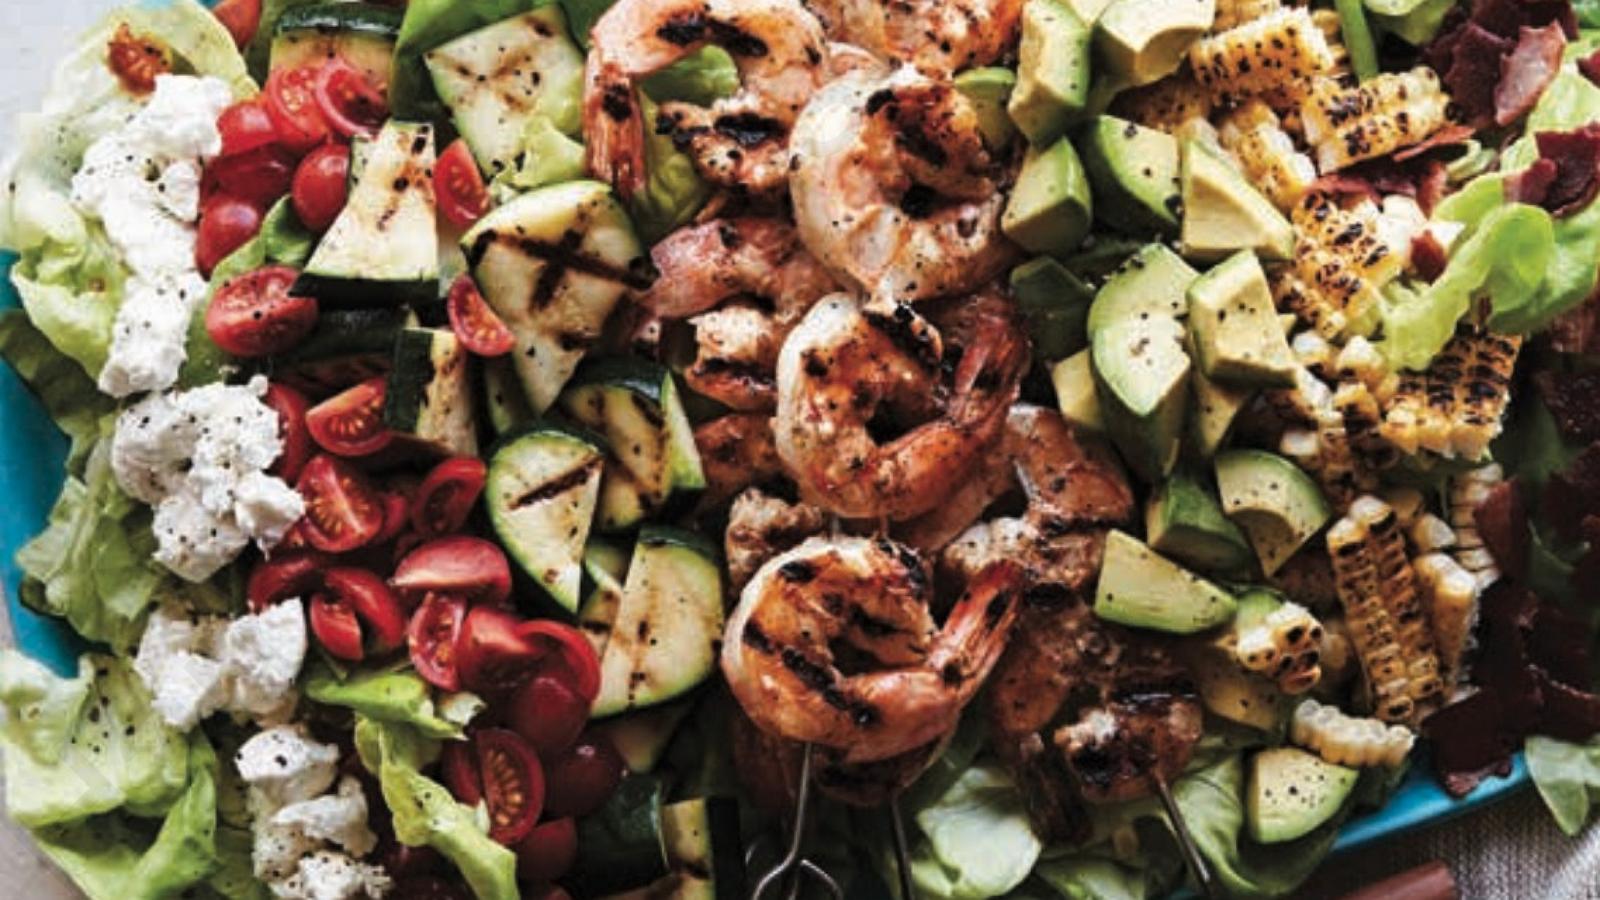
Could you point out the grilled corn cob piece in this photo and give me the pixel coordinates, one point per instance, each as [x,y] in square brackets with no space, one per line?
[1450,594]
[1346,125]
[1363,418]
[1233,13]
[1454,407]
[1378,591]
[1338,655]
[1266,154]
[1259,55]
[1467,490]
[1286,647]
[1360,360]
[1430,534]
[1318,310]
[1353,235]
[1407,503]
[1315,353]
[1166,105]
[1347,740]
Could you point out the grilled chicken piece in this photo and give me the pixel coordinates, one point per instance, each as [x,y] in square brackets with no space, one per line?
[1112,750]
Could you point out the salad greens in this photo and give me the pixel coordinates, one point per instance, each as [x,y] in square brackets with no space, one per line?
[1568,778]
[397,696]
[979,841]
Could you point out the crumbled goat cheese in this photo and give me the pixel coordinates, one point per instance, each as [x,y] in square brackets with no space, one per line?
[283,765]
[195,666]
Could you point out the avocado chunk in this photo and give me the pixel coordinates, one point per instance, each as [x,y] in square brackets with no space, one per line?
[1055,303]
[1076,395]
[1223,212]
[1212,413]
[1234,325]
[1134,173]
[1139,360]
[1142,589]
[988,90]
[1291,792]
[1050,206]
[1229,691]
[1184,521]
[1087,11]
[1052,71]
[1140,41]
[1273,500]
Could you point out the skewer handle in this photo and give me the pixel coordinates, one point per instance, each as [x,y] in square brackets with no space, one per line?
[1180,830]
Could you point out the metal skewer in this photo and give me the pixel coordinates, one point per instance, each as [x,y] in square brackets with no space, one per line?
[902,855]
[792,870]
[1180,830]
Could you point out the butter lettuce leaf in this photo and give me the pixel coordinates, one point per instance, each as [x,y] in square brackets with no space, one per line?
[978,841]
[548,157]
[389,696]
[1091,878]
[1568,778]
[66,392]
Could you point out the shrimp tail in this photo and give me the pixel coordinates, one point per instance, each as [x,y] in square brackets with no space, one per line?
[989,377]
[976,632]
[613,128]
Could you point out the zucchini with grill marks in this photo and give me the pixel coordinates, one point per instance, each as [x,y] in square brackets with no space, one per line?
[361,34]
[347,347]
[541,491]
[429,397]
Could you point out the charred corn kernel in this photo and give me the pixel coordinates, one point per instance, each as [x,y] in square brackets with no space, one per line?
[1407,503]
[1362,361]
[1314,352]
[1310,306]
[1450,593]
[1362,418]
[1266,154]
[1454,408]
[1347,125]
[1429,533]
[1285,646]
[1377,588]
[1353,235]
[1259,55]
[1347,740]
[1338,654]
[1167,105]
[1233,13]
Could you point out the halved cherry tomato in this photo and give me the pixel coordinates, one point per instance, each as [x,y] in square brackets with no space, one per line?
[292,573]
[499,768]
[336,628]
[136,60]
[240,17]
[432,635]
[295,538]
[383,622]
[580,780]
[245,126]
[544,892]
[351,423]
[546,712]
[343,510]
[447,496]
[347,102]
[226,224]
[491,655]
[480,330]
[428,887]
[321,185]
[548,851]
[463,197]
[255,315]
[291,407]
[258,177]
[396,516]
[405,861]
[468,566]
[571,656]
[292,101]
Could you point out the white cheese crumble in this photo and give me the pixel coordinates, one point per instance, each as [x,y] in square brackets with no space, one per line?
[142,182]
[194,666]
[199,457]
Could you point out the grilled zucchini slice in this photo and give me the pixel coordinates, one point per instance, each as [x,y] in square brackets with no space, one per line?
[541,491]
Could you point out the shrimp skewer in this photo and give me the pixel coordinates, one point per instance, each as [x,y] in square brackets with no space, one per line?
[938,37]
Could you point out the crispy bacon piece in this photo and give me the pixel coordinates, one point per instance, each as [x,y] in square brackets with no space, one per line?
[1474,71]
[1572,493]
[1526,71]
[1576,155]
[1573,398]
[1502,520]
[1428,256]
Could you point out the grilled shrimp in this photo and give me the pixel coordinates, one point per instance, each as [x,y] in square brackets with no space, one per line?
[738,142]
[867,597]
[939,37]
[736,452]
[843,375]
[894,190]
[757,262]
[760,526]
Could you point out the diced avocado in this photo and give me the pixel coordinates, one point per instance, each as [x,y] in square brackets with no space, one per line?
[1142,589]
[1291,792]
[1134,173]
[1102,255]
[1052,71]
[1153,281]
[1056,305]
[1234,325]
[1273,500]
[1050,207]
[1076,394]
[361,34]
[1215,406]
[1184,521]
[1088,11]
[988,90]
[1229,691]
[1223,212]
[1141,41]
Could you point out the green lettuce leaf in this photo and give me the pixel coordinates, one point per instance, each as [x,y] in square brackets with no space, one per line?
[1091,878]
[673,190]
[701,78]
[234,877]
[67,275]
[428,24]
[118,753]
[581,16]
[425,813]
[388,696]
[548,157]
[1568,778]
[978,841]
[66,392]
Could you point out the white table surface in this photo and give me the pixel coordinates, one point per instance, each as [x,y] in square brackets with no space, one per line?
[1510,851]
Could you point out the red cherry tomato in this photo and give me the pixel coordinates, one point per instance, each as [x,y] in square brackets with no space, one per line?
[546,712]
[351,423]
[499,768]
[480,330]
[396,517]
[226,224]
[432,636]
[548,851]
[136,60]
[579,780]
[347,102]
[292,101]
[447,496]
[468,566]
[428,887]
[491,654]
[383,622]
[545,892]
[255,315]
[321,183]
[240,17]
[245,126]
[292,573]
[291,407]
[463,197]
[336,628]
[343,510]
[295,538]
[570,656]
[258,177]
[404,861]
